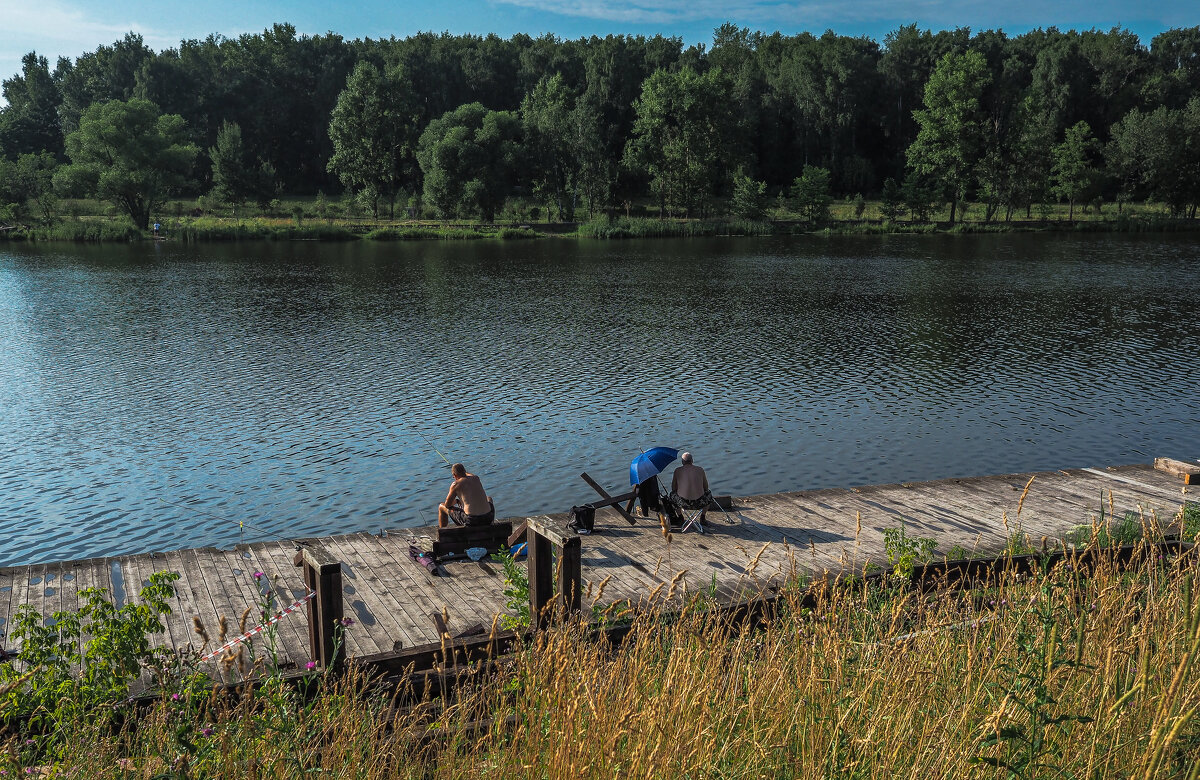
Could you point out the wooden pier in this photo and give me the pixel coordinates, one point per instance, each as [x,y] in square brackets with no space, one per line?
[397,605]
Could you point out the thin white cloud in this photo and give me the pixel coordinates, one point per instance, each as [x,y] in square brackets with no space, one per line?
[821,13]
[55,28]
[668,11]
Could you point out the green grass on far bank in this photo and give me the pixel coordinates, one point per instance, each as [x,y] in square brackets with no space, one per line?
[308,219]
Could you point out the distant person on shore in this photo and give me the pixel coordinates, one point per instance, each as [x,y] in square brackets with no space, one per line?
[157,227]
[467,503]
[689,486]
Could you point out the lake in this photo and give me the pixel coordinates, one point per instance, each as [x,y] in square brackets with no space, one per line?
[155,396]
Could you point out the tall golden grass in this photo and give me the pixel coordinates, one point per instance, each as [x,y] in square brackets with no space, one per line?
[1088,677]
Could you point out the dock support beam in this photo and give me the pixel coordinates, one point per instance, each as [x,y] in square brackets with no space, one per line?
[323,576]
[545,604]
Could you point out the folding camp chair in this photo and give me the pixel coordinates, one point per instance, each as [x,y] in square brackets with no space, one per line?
[690,511]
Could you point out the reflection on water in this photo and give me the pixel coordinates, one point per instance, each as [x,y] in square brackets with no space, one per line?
[291,386]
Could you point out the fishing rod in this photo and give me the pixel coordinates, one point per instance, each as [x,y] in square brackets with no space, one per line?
[241,523]
[435,449]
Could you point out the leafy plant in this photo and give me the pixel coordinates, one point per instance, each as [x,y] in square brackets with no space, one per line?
[1020,744]
[1190,517]
[62,677]
[516,592]
[904,551]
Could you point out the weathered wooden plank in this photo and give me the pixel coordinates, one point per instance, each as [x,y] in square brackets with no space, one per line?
[136,571]
[43,602]
[19,596]
[286,582]
[247,593]
[381,569]
[187,603]
[961,515]
[7,580]
[1149,476]
[604,494]
[457,589]
[211,600]
[375,625]
[416,590]
[289,636]
[1144,493]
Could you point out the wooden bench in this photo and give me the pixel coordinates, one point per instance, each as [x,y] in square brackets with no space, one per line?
[457,539]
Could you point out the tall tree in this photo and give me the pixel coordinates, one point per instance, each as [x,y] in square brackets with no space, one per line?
[682,136]
[546,119]
[1157,155]
[27,187]
[29,123]
[237,176]
[128,153]
[1072,172]
[811,192]
[950,141]
[470,158]
[373,129]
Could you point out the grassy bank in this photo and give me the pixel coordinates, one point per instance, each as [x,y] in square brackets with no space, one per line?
[1052,675]
[303,219]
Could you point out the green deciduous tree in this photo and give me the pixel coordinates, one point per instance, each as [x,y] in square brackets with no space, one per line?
[546,117]
[237,177]
[919,197]
[27,186]
[891,205]
[127,153]
[748,197]
[1156,154]
[952,126]
[682,136]
[812,195]
[1072,171]
[29,123]
[373,129]
[470,158]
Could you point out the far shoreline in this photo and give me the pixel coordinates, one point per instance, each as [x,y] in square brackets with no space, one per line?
[218,230]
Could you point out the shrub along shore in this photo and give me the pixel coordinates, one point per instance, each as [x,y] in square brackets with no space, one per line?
[265,228]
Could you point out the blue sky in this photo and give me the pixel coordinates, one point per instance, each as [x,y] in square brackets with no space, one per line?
[71,27]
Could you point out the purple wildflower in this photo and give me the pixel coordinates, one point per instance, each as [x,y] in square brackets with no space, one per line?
[175,697]
[310,665]
[258,575]
[347,622]
[207,731]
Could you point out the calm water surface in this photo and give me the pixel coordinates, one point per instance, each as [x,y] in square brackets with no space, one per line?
[289,385]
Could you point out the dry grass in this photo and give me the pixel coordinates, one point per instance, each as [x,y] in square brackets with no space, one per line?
[877,684]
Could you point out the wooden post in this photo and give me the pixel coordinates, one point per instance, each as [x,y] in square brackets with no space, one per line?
[569,575]
[323,575]
[541,577]
[543,539]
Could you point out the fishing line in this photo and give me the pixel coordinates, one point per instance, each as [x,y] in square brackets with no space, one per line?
[241,523]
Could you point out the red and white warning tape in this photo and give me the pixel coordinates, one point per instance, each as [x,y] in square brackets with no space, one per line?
[259,628]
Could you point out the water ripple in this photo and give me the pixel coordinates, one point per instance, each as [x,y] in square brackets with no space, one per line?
[287,387]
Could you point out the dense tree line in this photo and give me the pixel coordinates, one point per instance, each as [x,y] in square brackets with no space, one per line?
[461,122]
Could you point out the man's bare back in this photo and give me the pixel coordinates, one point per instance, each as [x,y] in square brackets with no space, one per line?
[467,503]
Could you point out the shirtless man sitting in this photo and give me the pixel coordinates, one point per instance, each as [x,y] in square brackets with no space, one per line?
[467,503]
[689,484]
